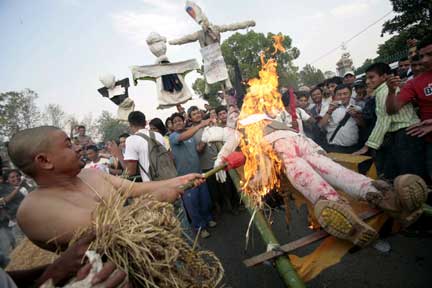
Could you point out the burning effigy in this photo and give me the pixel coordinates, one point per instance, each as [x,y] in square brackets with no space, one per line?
[272,148]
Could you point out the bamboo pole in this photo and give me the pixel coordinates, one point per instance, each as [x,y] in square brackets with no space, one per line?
[283,265]
[427,209]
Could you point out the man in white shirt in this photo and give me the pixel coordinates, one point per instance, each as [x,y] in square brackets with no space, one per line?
[136,153]
[341,122]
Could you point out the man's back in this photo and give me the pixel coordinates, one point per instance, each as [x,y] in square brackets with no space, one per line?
[137,150]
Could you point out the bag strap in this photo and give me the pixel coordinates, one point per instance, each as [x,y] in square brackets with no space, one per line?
[340,125]
[148,139]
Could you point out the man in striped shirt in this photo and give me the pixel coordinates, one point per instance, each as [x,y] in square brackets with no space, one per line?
[389,137]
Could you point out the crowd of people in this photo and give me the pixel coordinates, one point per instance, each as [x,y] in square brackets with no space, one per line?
[386,114]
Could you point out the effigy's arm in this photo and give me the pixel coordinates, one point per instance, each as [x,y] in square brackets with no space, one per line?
[236,26]
[185,39]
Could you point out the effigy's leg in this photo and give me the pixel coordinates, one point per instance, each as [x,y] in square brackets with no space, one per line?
[402,201]
[333,214]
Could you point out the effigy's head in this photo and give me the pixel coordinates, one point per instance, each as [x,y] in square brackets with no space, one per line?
[197,14]
[108,80]
[157,44]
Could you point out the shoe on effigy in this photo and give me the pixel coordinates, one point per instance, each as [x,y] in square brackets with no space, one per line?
[403,201]
[411,190]
[338,219]
[204,234]
[212,224]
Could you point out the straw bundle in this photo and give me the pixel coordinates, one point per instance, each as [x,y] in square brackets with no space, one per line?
[145,240]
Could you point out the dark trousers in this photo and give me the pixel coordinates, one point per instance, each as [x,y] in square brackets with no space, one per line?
[400,154]
[197,203]
[216,191]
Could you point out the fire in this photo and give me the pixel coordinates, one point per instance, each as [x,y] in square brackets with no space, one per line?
[262,167]
[278,45]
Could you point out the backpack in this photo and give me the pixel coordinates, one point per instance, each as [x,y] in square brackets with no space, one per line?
[161,165]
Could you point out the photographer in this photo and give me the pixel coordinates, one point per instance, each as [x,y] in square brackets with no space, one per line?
[341,122]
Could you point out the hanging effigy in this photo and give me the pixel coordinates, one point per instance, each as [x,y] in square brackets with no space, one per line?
[169,77]
[209,38]
[117,92]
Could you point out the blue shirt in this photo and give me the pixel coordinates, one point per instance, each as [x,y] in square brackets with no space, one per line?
[185,154]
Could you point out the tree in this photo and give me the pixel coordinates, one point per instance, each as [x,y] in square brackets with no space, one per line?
[109,127]
[244,50]
[18,111]
[414,17]
[311,76]
[91,126]
[54,115]
[364,66]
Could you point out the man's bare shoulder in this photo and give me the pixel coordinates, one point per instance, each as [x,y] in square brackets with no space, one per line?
[47,214]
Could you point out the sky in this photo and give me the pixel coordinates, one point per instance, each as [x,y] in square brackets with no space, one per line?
[59,48]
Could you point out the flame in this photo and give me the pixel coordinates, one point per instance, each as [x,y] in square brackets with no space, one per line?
[263,97]
[278,44]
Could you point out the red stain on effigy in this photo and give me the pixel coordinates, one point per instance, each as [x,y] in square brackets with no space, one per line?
[318,169]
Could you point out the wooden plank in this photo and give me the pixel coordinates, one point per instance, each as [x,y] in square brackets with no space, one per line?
[258,259]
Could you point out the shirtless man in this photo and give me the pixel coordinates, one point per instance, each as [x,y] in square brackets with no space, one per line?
[67,195]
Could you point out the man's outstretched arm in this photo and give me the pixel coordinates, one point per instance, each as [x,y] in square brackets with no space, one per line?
[164,191]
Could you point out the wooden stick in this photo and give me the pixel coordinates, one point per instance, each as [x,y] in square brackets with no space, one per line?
[298,243]
[283,265]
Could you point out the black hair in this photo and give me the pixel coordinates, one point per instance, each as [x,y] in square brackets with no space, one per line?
[427,40]
[191,109]
[81,126]
[157,122]
[220,109]
[380,68]
[343,86]
[124,135]
[301,94]
[415,58]
[6,175]
[177,114]
[359,84]
[316,88]
[286,98]
[336,80]
[166,121]
[405,58]
[137,118]
[92,147]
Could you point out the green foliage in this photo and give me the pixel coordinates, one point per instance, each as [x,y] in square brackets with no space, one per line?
[394,45]
[109,127]
[246,49]
[311,76]
[54,115]
[364,66]
[18,111]
[414,17]
[211,97]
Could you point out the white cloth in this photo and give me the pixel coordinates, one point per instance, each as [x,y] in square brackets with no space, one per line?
[214,65]
[102,165]
[285,118]
[137,150]
[348,135]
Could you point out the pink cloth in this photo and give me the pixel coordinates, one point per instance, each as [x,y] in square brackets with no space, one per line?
[314,175]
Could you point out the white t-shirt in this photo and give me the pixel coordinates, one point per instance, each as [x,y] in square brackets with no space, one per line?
[348,135]
[137,149]
[102,165]
[302,115]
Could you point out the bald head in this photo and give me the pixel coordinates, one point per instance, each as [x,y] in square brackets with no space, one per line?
[26,144]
